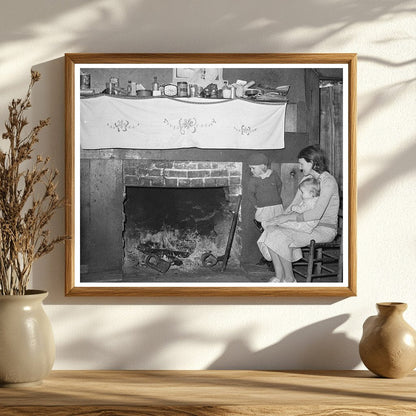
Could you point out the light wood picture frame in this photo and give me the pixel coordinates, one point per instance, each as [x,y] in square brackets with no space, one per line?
[126,145]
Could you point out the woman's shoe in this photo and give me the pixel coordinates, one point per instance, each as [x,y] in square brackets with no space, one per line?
[258,225]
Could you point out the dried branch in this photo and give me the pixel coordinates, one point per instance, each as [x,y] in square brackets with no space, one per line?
[24,217]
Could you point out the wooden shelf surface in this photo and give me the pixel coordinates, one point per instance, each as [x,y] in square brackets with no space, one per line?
[203,393]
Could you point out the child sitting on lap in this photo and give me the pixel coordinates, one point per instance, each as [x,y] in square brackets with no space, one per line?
[310,191]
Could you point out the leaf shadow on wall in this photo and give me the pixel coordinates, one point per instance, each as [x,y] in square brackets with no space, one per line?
[402,163]
[188,27]
[399,165]
[146,345]
[151,345]
[316,346]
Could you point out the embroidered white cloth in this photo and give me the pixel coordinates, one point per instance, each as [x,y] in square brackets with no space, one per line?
[166,123]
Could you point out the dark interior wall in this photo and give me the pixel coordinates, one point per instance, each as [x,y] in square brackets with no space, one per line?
[305,87]
[312,105]
[101,214]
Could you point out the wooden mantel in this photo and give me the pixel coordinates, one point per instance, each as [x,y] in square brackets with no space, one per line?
[208,393]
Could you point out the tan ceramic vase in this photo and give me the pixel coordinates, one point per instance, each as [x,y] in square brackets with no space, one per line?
[27,347]
[388,345]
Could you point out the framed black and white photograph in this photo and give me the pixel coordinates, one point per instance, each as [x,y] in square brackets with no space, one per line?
[211,174]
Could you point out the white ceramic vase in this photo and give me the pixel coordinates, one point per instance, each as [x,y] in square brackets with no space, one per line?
[27,346]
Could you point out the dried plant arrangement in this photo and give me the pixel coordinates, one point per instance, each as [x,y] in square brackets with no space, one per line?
[28,199]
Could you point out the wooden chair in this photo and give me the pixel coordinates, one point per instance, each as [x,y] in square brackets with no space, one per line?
[321,260]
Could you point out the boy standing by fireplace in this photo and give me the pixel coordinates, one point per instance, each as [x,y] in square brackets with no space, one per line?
[264,189]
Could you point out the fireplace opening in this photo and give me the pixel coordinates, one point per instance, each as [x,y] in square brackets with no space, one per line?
[178,225]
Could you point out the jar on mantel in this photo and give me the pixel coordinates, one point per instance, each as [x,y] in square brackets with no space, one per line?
[226,91]
[388,344]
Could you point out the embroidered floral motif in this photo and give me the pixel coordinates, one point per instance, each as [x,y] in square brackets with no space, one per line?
[245,130]
[122,125]
[188,125]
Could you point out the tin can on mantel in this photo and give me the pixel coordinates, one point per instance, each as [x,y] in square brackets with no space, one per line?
[131,88]
[114,83]
[182,89]
[233,92]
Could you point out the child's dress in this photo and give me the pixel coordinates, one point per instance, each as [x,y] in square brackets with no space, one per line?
[306,226]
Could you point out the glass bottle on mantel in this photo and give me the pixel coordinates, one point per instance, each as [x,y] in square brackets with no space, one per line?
[226,90]
[155,86]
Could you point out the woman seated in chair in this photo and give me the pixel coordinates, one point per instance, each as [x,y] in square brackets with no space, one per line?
[282,245]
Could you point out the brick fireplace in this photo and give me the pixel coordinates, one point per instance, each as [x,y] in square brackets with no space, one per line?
[178,210]
[183,174]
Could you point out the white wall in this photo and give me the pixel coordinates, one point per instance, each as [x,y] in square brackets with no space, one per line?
[199,333]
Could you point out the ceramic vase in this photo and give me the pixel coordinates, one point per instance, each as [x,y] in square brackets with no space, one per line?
[388,345]
[27,346]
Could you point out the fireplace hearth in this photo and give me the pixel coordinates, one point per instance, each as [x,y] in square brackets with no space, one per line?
[177,224]
[178,211]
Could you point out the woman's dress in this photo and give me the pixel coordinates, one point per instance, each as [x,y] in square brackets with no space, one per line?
[287,242]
